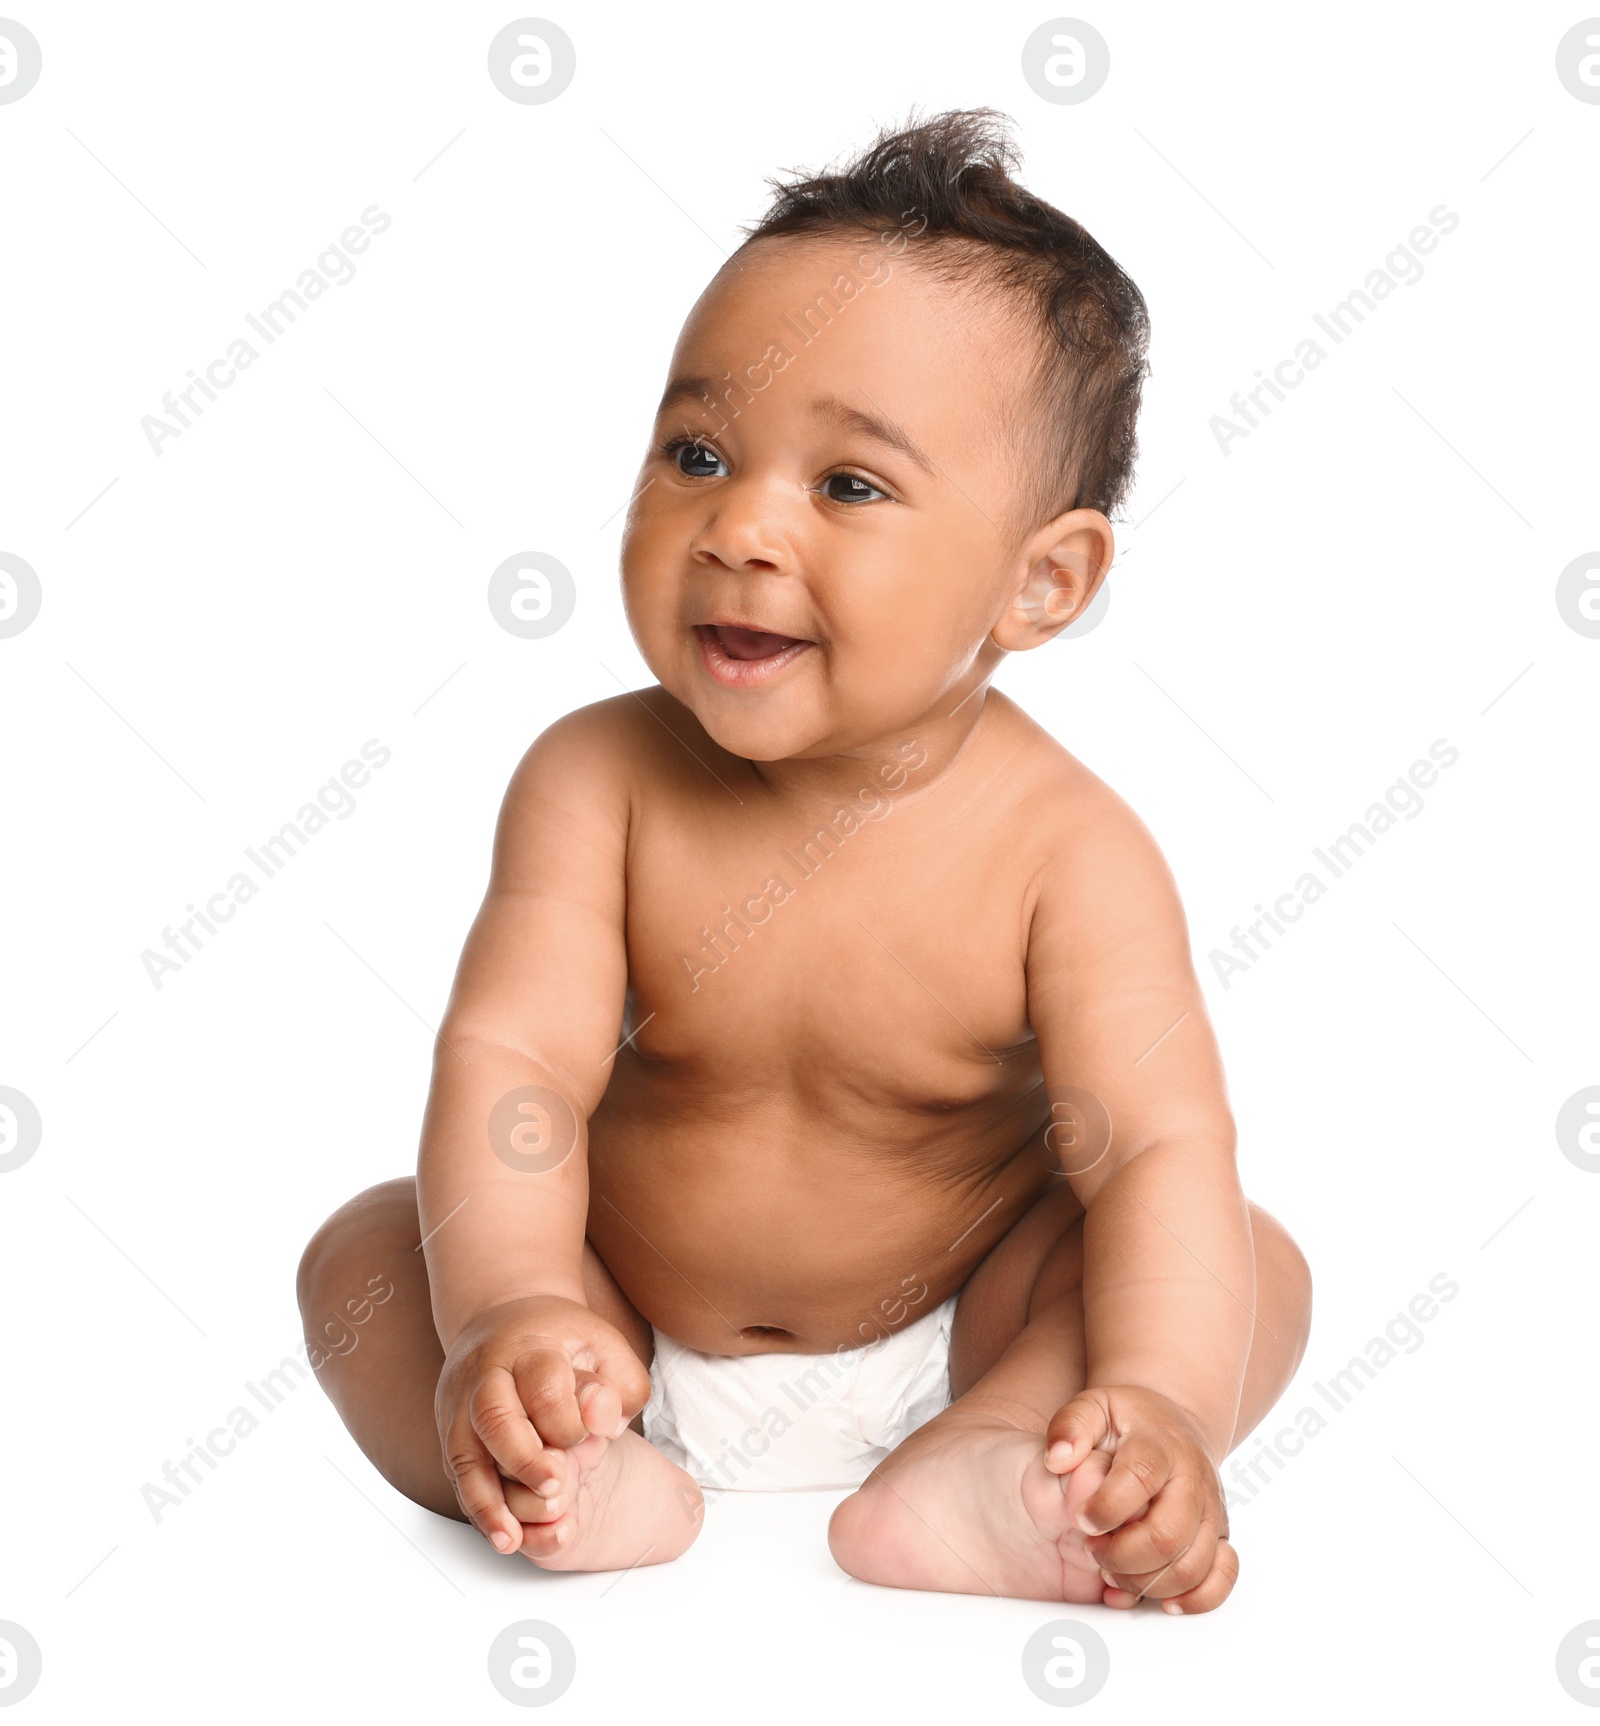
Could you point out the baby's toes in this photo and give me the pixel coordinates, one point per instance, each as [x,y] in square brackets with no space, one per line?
[1083,1483]
[1054,1500]
[545,1542]
[529,1506]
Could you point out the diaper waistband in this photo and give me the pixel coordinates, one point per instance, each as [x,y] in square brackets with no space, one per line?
[784,1421]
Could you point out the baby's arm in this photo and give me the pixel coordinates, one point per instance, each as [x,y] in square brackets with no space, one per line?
[538,1000]
[1169,1267]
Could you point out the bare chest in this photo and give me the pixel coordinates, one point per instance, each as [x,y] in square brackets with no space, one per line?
[859,946]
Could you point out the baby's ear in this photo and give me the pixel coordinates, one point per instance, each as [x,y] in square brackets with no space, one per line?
[1059,571]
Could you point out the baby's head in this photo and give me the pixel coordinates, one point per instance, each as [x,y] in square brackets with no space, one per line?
[895,425]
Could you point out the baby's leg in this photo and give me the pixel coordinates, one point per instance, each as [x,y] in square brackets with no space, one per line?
[623,1499]
[965,1505]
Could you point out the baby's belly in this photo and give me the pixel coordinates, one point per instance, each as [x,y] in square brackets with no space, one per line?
[780,1230]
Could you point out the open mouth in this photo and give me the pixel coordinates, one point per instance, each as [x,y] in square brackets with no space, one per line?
[741,657]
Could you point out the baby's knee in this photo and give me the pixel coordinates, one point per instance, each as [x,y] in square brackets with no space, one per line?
[1283,1278]
[385,1214]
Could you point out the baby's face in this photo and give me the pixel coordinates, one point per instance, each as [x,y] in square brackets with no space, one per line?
[821,568]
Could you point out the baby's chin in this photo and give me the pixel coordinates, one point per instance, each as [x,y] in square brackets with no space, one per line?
[761,736]
[759,725]
[799,718]
[769,727]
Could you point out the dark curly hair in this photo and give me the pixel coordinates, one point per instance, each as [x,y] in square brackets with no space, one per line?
[948,183]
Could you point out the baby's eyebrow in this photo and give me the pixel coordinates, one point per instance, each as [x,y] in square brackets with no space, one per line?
[680,388]
[880,428]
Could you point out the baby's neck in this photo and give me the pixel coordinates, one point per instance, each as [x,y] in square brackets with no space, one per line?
[914,757]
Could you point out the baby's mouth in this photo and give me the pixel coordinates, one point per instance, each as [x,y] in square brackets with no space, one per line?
[739,656]
[740,643]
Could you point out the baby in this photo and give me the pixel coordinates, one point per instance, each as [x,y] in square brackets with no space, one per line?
[826,1097]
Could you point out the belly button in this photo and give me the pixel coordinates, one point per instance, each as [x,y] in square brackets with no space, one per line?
[764,1330]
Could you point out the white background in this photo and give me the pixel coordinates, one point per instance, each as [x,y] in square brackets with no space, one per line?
[225,626]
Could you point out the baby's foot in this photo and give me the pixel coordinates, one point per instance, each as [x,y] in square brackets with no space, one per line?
[621,1503]
[968,1507]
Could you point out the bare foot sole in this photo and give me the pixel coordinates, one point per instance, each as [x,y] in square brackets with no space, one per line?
[970,1508]
[622,1503]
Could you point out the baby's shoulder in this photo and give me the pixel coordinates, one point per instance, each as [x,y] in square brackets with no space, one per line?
[612,743]
[1085,837]
[1065,799]
[588,769]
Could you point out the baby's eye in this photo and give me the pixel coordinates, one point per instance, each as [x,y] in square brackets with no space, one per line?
[698,461]
[849,488]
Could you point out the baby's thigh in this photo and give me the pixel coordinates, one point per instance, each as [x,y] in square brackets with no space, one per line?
[603,1294]
[1038,1260]
[364,1302]
[368,1316]
[375,1240]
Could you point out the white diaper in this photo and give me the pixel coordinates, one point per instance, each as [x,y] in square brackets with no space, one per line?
[780,1422]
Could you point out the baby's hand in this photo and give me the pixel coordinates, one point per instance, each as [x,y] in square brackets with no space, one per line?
[523,1383]
[1157,1524]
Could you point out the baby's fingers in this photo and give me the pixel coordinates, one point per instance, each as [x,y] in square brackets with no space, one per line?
[600,1405]
[1184,1573]
[1173,1525]
[622,1369]
[547,1387]
[477,1485]
[500,1420]
[1075,1429]
[1139,1470]
[1214,1589]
